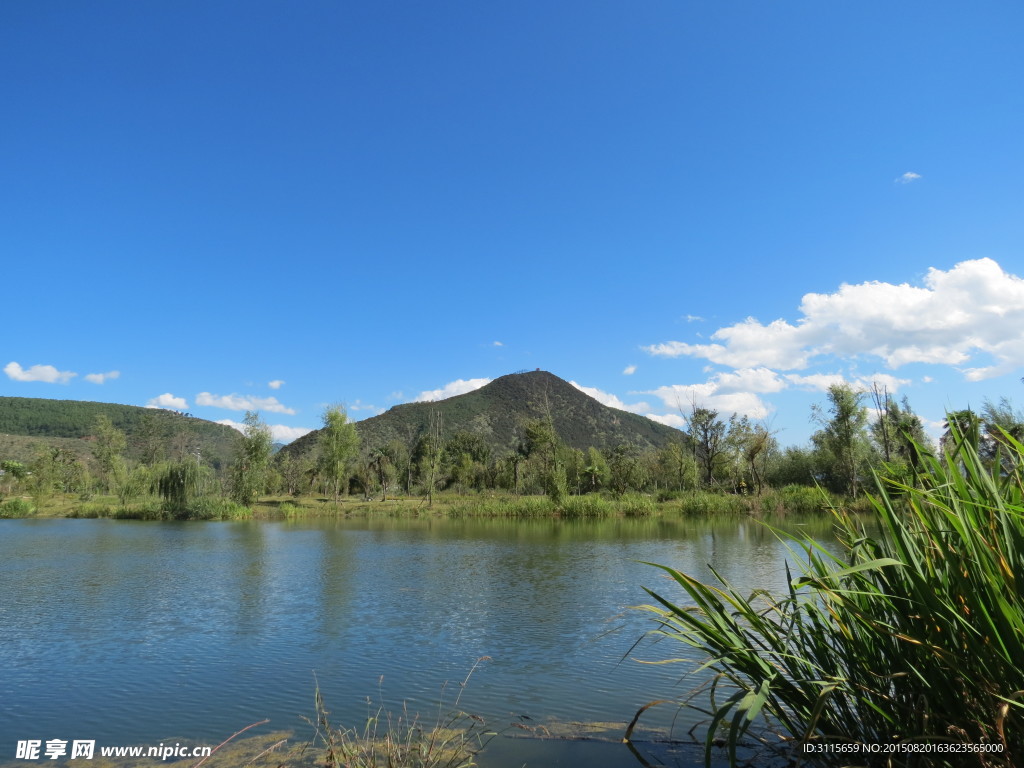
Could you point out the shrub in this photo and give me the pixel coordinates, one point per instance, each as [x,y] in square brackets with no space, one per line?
[151,510]
[215,508]
[523,506]
[797,500]
[590,505]
[635,505]
[91,511]
[16,508]
[705,503]
[664,494]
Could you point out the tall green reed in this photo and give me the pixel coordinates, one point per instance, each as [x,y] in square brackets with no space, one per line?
[913,635]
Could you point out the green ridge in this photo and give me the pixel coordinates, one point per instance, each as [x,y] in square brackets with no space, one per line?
[26,423]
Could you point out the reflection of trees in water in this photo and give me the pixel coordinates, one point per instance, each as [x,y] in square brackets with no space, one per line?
[255,606]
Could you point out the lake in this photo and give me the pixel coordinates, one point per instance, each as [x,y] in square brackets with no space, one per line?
[133,632]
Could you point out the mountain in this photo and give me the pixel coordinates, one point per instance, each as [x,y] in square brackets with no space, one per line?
[497,412]
[29,422]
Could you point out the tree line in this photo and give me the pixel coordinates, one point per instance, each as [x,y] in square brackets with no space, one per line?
[859,433]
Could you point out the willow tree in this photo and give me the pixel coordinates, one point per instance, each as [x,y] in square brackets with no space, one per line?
[429,455]
[339,446]
[842,440]
[108,447]
[252,461]
[181,482]
[707,435]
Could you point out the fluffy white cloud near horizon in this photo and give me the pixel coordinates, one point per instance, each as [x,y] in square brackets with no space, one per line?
[740,392]
[451,389]
[278,432]
[43,373]
[973,309]
[612,401]
[235,402]
[684,397]
[169,402]
[100,378]
[668,419]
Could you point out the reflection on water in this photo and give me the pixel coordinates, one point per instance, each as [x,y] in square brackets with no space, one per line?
[129,632]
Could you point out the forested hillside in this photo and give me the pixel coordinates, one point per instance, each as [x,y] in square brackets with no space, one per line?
[26,423]
[498,412]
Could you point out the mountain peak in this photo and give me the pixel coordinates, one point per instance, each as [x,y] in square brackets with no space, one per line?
[499,410]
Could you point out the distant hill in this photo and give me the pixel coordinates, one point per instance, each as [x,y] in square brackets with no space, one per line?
[28,422]
[496,412]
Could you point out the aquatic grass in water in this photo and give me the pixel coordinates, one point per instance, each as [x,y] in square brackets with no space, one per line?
[915,635]
[405,740]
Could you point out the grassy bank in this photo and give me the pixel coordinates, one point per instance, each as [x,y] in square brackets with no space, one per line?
[793,500]
[912,639]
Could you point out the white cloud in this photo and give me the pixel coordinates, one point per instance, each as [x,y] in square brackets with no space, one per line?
[815,382]
[820,382]
[739,392]
[694,319]
[239,403]
[748,344]
[279,433]
[728,393]
[883,380]
[99,378]
[973,308]
[629,370]
[669,349]
[606,398]
[748,380]
[45,373]
[668,419]
[497,344]
[451,389]
[283,434]
[168,401]
[908,177]
[682,397]
[275,384]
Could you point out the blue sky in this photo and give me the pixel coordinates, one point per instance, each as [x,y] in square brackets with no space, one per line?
[284,205]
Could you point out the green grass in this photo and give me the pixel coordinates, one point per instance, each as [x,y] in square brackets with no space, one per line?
[146,508]
[700,503]
[914,635]
[792,500]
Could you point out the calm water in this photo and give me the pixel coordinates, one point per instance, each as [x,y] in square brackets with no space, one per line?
[132,632]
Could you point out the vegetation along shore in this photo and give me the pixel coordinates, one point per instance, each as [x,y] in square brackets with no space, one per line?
[526,444]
